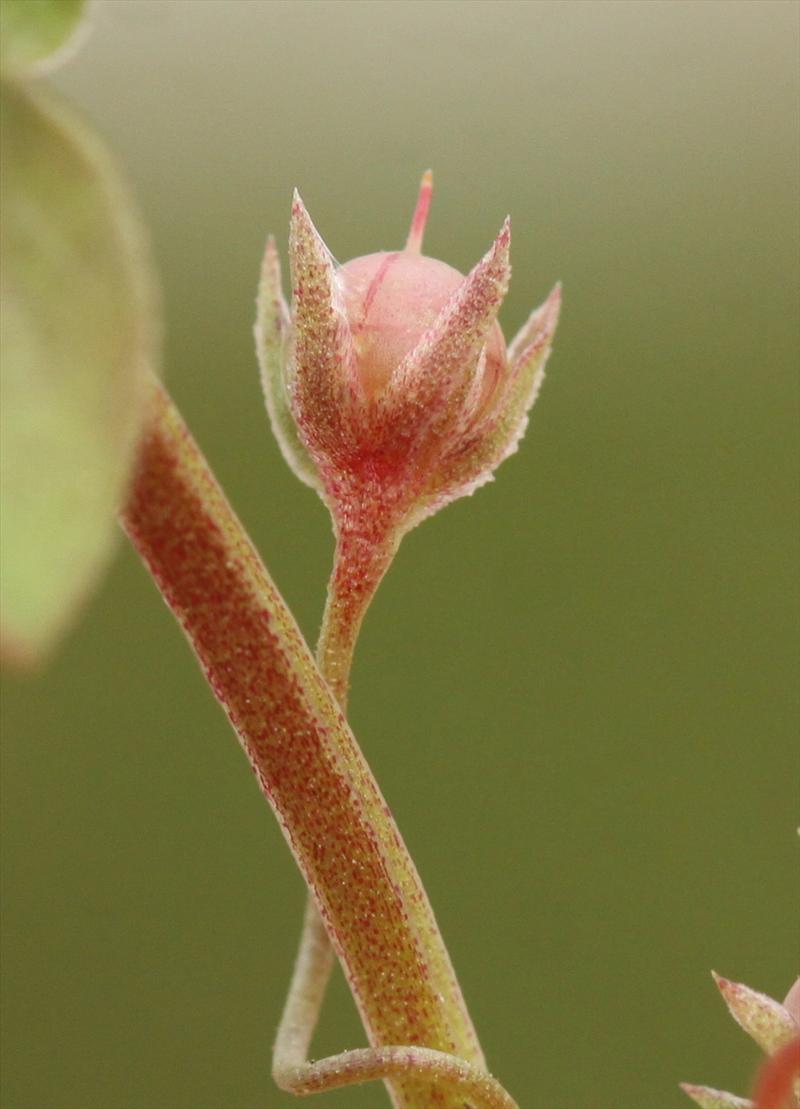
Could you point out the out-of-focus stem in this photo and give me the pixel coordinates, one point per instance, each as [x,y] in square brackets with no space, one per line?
[310,977]
[778,1083]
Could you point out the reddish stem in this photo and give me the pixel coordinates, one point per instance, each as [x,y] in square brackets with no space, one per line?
[361,560]
[306,760]
[776,1079]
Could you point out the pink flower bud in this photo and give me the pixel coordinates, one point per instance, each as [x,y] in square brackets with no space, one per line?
[389,385]
[391,300]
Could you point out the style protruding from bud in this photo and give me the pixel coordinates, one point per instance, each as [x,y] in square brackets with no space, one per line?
[389,384]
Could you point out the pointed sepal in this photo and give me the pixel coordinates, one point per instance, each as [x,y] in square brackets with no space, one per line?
[708,1098]
[272,333]
[539,326]
[763,1018]
[432,382]
[499,433]
[528,356]
[321,378]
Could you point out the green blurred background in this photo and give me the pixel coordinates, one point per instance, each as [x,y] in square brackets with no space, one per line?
[578,688]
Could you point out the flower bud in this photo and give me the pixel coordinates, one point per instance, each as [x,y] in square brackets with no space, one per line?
[389,384]
[391,300]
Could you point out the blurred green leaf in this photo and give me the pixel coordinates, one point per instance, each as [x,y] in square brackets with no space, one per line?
[32,30]
[77,336]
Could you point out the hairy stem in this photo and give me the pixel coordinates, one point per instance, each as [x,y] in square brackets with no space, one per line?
[309,766]
[341,621]
[362,558]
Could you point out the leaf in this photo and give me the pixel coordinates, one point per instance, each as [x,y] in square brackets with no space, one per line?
[77,335]
[33,33]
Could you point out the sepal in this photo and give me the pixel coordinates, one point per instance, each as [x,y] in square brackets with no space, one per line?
[528,356]
[708,1098]
[498,434]
[322,345]
[762,1018]
[428,390]
[272,336]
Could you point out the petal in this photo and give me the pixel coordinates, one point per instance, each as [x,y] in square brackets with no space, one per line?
[321,379]
[763,1018]
[271,332]
[426,394]
[707,1098]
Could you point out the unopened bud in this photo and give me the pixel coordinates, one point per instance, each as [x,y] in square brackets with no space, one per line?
[389,384]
